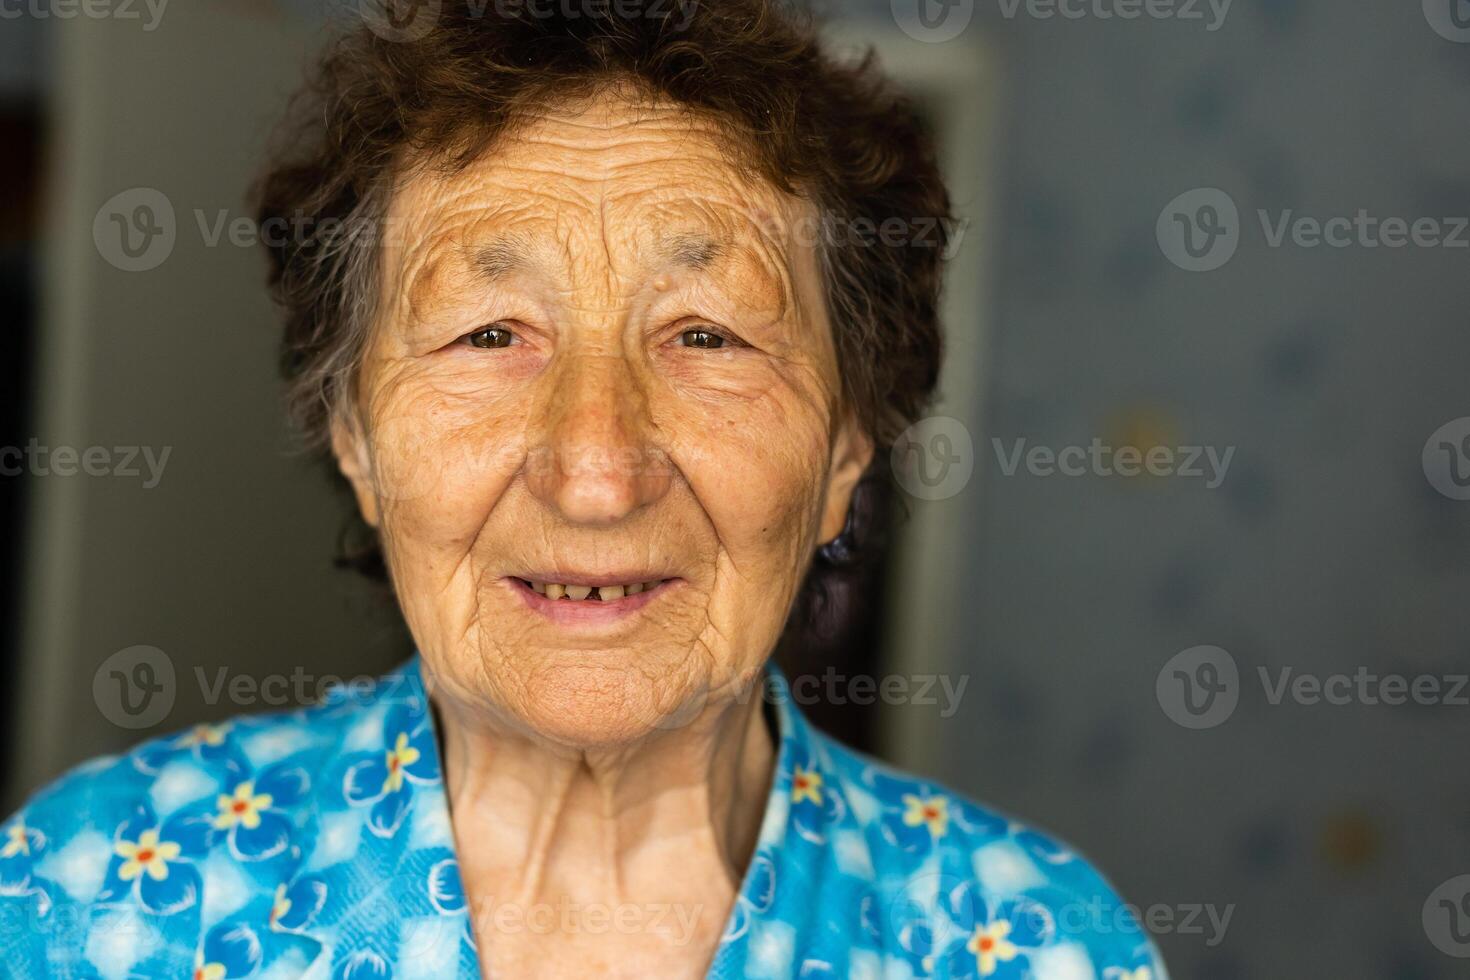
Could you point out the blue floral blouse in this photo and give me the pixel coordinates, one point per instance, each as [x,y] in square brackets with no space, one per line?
[317,844]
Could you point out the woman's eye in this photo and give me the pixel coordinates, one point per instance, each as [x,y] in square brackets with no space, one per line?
[704,339]
[495,335]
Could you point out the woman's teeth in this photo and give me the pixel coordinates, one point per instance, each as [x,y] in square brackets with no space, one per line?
[606,593]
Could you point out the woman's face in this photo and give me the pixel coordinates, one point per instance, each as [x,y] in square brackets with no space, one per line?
[601,359]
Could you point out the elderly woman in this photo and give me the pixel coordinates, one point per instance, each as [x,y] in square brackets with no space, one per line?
[575,327]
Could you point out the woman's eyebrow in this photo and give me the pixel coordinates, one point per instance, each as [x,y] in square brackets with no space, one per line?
[693,251]
[497,259]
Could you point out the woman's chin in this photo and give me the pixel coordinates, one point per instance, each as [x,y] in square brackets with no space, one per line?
[609,704]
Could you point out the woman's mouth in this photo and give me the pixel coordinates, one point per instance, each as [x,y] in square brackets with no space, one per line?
[593,593]
[598,601]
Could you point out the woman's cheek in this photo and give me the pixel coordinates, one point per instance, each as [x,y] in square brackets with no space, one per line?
[755,468]
[440,462]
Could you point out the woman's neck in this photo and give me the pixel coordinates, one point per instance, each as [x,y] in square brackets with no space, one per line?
[638,849]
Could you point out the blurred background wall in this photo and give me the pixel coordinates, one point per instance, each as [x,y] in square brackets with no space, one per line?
[1084,149]
[1325,549]
[201,534]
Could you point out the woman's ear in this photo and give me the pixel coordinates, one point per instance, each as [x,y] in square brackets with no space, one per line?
[852,451]
[349,445]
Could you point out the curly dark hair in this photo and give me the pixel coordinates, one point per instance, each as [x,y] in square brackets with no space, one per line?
[838,134]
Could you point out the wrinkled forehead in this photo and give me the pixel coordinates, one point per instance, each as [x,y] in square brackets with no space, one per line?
[609,193]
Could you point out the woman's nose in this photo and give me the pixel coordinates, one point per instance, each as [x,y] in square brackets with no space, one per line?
[594,458]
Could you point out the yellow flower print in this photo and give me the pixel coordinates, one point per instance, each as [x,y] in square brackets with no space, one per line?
[989,944]
[147,853]
[927,811]
[208,971]
[212,735]
[806,784]
[400,756]
[243,807]
[16,841]
[279,907]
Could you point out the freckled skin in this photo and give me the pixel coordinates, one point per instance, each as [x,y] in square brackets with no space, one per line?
[628,763]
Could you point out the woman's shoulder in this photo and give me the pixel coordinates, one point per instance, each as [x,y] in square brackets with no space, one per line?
[985,879]
[177,831]
[70,833]
[909,811]
[161,772]
[160,765]
[285,751]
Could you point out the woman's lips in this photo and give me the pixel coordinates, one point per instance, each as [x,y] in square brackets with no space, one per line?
[592,593]
[577,602]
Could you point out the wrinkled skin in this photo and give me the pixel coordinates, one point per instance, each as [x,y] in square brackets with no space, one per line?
[616,761]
